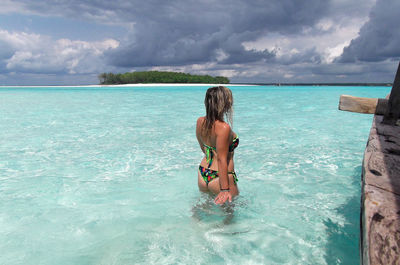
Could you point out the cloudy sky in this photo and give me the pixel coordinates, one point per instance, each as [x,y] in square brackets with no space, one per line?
[69,42]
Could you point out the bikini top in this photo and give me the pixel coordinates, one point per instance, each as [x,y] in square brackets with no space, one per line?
[210,149]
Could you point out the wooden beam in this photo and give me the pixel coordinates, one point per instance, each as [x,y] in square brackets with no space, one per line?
[363,105]
[392,113]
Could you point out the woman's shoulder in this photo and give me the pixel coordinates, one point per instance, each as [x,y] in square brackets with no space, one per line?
[200,121]
[222,127]
[219,126]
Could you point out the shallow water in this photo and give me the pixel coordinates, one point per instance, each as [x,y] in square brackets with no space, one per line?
[108,176]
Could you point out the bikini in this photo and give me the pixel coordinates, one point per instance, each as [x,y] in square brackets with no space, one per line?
[209,174]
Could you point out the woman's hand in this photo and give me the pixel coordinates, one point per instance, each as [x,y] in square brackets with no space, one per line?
[222,197]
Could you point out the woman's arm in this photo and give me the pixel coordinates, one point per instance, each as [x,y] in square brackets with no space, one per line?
[198,130]
[223,132]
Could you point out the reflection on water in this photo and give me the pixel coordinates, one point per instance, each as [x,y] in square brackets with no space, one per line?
[206,211]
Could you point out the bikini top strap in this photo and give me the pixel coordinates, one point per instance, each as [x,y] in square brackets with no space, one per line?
[209,154]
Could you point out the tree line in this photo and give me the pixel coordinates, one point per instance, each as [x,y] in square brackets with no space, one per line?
[158,77]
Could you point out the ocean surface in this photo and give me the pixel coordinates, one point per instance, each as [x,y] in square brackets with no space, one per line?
[108,175]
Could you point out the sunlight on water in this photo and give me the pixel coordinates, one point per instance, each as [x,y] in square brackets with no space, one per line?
[108,176]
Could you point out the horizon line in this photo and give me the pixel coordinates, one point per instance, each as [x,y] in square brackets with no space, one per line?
[212,84]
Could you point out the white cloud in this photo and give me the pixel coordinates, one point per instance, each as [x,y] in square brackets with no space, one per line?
[327,38]
[333,52]
[41,54]
[22,40]
[325,24]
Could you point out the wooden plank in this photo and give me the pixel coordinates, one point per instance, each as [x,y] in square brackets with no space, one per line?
[363,105]
[357,104]
[393,111]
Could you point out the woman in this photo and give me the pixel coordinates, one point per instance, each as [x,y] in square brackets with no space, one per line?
[217,141]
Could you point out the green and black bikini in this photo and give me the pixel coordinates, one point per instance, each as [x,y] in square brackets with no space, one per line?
[209,174]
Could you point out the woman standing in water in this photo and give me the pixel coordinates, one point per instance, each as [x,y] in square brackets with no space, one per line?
[217,141]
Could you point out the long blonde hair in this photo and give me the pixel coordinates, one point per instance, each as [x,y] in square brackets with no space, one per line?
[218,103]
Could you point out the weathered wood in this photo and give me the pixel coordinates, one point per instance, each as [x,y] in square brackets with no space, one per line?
[356,104]
[381,227]
[392,113]
[380,197]
[381,107]
[363,105]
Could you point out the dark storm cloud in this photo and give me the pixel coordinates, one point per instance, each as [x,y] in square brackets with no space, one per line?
[337,69]
[183,32]
[165,45]
[239,15]
[199,33]
[342,9]
[379,38]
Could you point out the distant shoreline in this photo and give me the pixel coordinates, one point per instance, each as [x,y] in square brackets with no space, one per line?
[202,84]
[139,85]
[321,84]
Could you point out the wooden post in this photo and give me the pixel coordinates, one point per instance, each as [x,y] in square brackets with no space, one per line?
[363,105]
[392,113]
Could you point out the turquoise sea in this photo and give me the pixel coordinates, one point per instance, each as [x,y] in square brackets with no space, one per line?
[101,175]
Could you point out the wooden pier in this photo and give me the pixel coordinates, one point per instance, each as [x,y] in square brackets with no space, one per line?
[380,194]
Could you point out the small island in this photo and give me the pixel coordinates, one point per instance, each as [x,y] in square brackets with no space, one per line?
[158,77]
